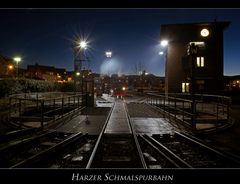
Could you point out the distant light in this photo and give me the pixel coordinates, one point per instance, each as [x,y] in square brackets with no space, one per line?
[123,88]
[164,43]
[108,54]
[10,67]
[83,44]
[161,53]
[17,59]
[78,73]
[146,73]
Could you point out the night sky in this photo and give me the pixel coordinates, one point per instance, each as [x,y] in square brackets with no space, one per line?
[45,36]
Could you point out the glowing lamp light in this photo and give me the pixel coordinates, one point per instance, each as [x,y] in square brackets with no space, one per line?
[17,59]
[78,73]
[108,54]
[204,32]
[10,67]
[83,45]
[161,53]
[123,88]
[164,43]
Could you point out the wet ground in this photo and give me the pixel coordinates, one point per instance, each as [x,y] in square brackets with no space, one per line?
[146,119]
[227,140]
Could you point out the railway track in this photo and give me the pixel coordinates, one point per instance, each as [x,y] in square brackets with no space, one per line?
[24,153]
[75,154]
[157,158]
[128,149]
[131,151]
[193,151]
[13,136]
[116,150]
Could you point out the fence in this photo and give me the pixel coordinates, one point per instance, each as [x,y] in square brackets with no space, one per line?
[202,109]
[40,109]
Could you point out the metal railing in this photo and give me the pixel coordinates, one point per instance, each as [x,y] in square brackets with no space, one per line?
[43,108]
[209,109]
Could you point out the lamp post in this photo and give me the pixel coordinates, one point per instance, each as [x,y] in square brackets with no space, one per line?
[79,47]
[164,43]
[108,55]
[17,60]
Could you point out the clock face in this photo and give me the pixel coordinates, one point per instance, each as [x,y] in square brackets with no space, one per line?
[204,32]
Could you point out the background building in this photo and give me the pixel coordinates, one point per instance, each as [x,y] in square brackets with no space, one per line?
[7,67]
[48,73]
[207,68]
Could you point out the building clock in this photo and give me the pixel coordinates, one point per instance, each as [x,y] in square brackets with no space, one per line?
[204,32]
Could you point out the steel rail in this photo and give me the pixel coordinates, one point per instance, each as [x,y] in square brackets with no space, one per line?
[14,134]
[43,154]
[140,153]
[24,142]
[181,163]
[99,139]
[211,149]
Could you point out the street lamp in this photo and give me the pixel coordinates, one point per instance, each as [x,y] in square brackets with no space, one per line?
[10,67]
[83,44]
[164,43]
[79,47]
[17,60]
[161,53]
[108,54]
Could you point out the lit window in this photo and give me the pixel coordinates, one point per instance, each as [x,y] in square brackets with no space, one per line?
[185,87]
[200,61]
[197,43]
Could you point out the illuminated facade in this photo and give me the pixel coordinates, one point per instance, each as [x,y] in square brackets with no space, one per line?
[48,73]
[201,64]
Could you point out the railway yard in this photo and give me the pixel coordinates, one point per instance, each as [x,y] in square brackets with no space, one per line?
[120,133]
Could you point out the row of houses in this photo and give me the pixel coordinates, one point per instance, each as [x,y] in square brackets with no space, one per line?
[102,83]
[40,72]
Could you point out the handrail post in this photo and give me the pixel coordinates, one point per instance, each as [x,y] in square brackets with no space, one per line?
[54,107]
[19,111]
[42,114]
[175,108]
[62,105]
[9,108]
